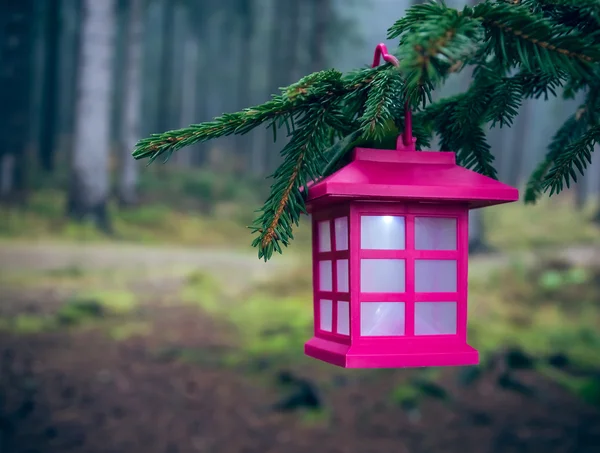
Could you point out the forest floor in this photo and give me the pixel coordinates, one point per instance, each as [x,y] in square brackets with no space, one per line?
[86,367]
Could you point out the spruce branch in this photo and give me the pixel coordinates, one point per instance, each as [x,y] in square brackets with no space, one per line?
[459,125]
[582,15]
[576,156]
[302,155]
[384,94]
[521,37]
[572,130]
[293,100]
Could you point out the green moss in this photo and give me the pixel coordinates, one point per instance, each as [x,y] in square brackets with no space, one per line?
[406,395]
[94,305]
[316,417]
[128,330]
[204,290]
[27,324]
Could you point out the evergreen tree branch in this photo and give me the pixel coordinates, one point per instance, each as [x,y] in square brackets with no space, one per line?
[572,130]
[576,156]
[385,93]
[582,15]
[301,155]
[294,100]
[458,121]
[434,41]
[521,37]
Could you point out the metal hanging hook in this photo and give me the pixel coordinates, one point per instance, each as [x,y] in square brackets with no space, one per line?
[405,142]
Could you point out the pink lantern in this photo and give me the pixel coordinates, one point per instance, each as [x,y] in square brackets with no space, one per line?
[390,257]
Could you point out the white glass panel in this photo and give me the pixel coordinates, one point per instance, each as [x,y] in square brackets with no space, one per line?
[382,276]
[435,276]
[342,276]
[435,233]
[325,276]
[435,318]
[326,313]
[381,318]
[341,233]
[324,237]
[384,232]
[343,318]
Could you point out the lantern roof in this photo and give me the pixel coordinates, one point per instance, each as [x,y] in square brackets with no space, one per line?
[394,175]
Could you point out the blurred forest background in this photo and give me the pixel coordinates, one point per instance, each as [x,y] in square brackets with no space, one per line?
[134,315]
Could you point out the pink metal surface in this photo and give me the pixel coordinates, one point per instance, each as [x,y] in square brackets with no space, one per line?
[410,349]
[426,176]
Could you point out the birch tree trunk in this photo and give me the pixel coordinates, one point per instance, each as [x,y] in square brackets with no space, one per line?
[89,182]
[128,169]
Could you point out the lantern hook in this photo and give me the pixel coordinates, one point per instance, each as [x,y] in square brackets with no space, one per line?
[405,142]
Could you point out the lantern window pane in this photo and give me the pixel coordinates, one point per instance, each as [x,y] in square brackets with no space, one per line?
[343,318]
[382,319]
[325,276]
[326,314]
[342,276]
[382,276]
[435,233]
[384,232]
[435,318]
[341,233]
[324,237]
[435,276]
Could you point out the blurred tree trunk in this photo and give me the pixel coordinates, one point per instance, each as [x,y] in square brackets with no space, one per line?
[285,31]
[152,43]
[518,149]
[178,75]
[189,87]
[322,16]
[165,90]
[89,182]
[581,192]
[202,15]
[246,16]
[68,63]
[128,168]
[50,86]
[16,72]
[118,76]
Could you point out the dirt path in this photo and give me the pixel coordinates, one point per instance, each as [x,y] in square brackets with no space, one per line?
[230,265]
[48,256]
[79,390]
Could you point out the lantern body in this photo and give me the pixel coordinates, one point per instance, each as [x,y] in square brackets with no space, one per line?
[390,259]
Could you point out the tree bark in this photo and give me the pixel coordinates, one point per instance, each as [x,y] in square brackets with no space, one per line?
[201,14]
[129,168]
[322,12]
[165,91]
[520,129]
[16,70]
[89,190]
[50,87]
[68,64]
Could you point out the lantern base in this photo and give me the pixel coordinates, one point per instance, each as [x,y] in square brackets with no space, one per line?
[357,356]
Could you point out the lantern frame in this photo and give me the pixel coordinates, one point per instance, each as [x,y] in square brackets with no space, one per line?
[401,183]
